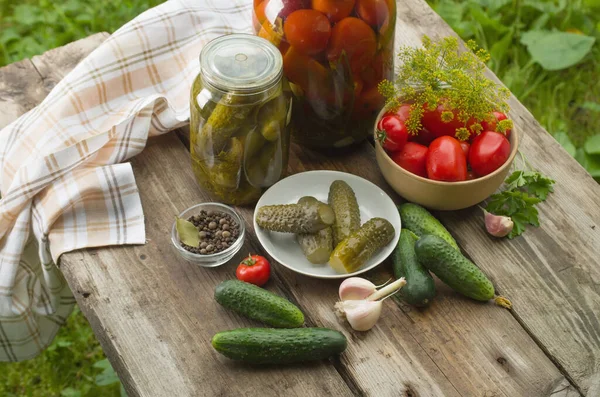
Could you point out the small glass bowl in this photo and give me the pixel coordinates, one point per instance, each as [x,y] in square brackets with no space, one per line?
[210,260]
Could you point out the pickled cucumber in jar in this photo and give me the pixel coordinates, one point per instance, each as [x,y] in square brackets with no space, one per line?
[239,121]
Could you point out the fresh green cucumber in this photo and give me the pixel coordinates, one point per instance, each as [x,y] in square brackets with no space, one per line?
[420,287]
[258,304]
[420,221]
[347,214]
[295,218]
[356,249]
[279,346]
[453,268]
[316,246]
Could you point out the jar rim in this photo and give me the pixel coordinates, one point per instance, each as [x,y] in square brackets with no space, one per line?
[240,62]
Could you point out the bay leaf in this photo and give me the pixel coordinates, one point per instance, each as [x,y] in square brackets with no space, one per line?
[188,233]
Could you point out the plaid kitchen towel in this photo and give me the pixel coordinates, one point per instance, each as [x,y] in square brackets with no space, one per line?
[63,181]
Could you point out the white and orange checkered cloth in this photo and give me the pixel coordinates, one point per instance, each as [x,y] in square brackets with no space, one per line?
[63,180]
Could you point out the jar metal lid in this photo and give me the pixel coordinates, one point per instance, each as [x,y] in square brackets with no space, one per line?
[241,62]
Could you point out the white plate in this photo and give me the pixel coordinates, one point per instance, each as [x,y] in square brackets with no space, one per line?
[372,201]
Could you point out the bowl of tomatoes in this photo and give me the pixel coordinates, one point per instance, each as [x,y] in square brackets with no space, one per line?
[435,169]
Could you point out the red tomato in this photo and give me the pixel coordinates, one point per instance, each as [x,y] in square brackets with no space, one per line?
[254,270]
[267,32]
[258,17]
[378,69]
[488,152]
[368,104]
[356,39]
[404,112]
[432,121]
[391,133]
[424,137]
[446,160]
[413,158]
[336,10]
[471,175]
[304,71]
[491,126]
[373,12]
[307,31]
[465,147]
[283,8]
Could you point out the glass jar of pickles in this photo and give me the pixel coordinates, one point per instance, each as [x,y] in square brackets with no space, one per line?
[240,116]
[335,52]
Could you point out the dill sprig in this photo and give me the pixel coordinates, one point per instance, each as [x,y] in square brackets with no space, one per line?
[438,74]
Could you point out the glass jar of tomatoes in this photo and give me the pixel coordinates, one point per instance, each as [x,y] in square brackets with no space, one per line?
[335,52]
[240,118]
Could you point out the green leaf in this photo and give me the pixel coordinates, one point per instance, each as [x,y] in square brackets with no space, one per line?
[188,233]
[592,145]
[102,364]
[480,16]
[565,142]
[106,377]
[592,106]
[500,48]
[70,392]
[557,50]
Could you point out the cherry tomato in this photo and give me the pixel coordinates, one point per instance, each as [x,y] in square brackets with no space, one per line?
[258,17]
[373,12]
[488,152]
[268,32]
[356,39]
[255,270]
[377,69]
[368,104]
[432,121]
[465,147]
[446,160]
[391,133]
[304,71]
[471,175]
[424,137]
[336,10]
[307,31]
[413,158]
[283,8]
[491,126]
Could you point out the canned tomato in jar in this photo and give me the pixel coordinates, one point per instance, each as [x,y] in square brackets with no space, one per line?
[335,53]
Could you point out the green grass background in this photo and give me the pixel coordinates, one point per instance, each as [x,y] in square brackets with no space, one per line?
[566,102]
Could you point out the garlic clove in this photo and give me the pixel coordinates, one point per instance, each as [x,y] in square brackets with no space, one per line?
[356,288]
[362,315]
[498,225]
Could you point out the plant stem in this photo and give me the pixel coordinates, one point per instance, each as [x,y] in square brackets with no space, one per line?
[387,290]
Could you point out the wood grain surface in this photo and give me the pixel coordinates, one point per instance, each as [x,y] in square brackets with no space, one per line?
[154,313]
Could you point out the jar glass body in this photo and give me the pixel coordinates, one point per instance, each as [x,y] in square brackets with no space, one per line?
[335,53]
[239,143]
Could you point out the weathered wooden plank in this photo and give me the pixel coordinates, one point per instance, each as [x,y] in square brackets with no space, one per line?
[21,89]
[54,64]
[26,83]
[552,273]
[155,314]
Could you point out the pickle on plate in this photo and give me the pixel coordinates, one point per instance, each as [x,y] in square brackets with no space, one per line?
[295,218]
[347,214]
[355,250]
[229,115]
[316,246]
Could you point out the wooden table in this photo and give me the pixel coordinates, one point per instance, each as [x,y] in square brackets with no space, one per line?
[154,313]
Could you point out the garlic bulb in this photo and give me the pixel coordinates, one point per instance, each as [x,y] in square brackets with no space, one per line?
[354,288]
[498,225]
[362,314]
